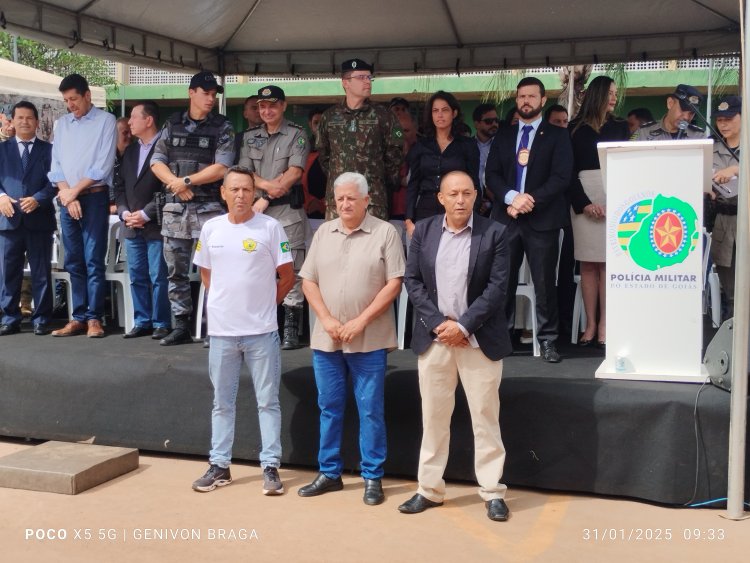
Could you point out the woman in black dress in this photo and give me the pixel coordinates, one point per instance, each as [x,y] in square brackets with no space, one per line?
[443,149]
[595,123]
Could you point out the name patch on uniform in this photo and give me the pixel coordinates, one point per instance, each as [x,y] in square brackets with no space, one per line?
[285,246]
[249,245]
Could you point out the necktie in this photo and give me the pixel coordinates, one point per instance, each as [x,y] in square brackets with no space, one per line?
[522,156]
[26,156]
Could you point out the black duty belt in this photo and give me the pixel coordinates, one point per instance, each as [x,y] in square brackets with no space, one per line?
[725,209]
[171,198]
[285,200]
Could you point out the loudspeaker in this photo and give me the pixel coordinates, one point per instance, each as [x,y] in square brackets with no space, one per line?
[718,358]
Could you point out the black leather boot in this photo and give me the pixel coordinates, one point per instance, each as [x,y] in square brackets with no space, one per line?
[292,321]
[180,333]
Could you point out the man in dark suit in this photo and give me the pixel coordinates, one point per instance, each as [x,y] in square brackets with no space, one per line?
[27,221]
[456,275]
[528,170]
[135,186]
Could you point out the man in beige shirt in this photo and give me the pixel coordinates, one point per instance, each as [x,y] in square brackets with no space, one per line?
[351,277]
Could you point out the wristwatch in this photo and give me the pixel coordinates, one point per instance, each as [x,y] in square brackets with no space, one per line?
[186,180]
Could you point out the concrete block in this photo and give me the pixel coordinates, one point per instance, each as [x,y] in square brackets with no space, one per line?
[66,468]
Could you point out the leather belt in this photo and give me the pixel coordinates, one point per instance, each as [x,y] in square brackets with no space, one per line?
[93,190]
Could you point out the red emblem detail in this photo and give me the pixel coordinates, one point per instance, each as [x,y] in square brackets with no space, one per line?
[668,232]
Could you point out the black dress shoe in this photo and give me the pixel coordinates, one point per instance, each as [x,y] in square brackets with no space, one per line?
[6,330]
[549,352]
[373,492]
[137,332]
[41,329]
[321,485]
[497,510]
[160,332]
[177,336]
[417,504]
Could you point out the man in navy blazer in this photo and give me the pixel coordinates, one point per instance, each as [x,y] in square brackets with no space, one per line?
[135,186]
[528,171]
[27,221]
[456,276]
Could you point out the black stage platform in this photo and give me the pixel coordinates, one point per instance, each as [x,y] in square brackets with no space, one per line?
[562,428]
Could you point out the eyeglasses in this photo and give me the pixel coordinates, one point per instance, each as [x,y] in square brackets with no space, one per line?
[363,78]
[490,120]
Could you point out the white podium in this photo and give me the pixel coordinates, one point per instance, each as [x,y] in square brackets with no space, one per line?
[654,258]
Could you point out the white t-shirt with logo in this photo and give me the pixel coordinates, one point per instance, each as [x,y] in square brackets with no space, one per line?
[243,259]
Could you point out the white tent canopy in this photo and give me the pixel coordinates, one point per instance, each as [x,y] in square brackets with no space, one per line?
[289,37]
[25,82]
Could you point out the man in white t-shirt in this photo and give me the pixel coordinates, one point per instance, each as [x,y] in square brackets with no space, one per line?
[240,255]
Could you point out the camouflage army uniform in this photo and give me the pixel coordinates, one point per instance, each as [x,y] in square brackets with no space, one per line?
[367,140]
[269,156]
[182,222]
[655,131]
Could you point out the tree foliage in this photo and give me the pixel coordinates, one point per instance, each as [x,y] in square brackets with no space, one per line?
[57,61]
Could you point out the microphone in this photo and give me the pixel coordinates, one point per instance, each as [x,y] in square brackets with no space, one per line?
[682,127]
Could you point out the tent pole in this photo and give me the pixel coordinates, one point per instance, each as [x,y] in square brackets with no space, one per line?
[738,410]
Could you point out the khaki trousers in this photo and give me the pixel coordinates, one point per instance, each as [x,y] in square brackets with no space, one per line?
[439,369]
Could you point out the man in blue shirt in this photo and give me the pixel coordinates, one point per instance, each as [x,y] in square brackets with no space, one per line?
[83,158]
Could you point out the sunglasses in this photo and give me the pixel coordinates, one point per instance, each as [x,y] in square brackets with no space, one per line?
[490,120]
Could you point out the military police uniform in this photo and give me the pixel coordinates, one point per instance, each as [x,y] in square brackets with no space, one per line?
[656,131]
[724,233]
[187,146]
[367,140]
[688,98]
[269,156]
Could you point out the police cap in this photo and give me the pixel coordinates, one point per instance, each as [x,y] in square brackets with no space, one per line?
[207,81]
[355,64]
[271,93]
[729,107]
[687,95]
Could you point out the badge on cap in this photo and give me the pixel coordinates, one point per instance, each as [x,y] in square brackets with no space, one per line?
[523,157]
[723,106]
[354,64]
[266,92]
[694,99]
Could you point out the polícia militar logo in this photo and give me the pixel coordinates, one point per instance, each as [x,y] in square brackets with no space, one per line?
[659,232]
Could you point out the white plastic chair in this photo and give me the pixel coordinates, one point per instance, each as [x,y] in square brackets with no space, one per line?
[525,289]
[116,272]
[58,273]
[711,285]
[579,312]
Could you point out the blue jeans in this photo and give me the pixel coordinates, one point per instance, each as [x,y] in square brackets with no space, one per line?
[262,355]
[85,243]
[148,281]
[367,371]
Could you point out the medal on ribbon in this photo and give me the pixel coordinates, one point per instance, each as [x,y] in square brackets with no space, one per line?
[523,157]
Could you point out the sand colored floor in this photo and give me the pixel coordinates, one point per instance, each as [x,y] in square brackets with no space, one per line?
[144,516]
